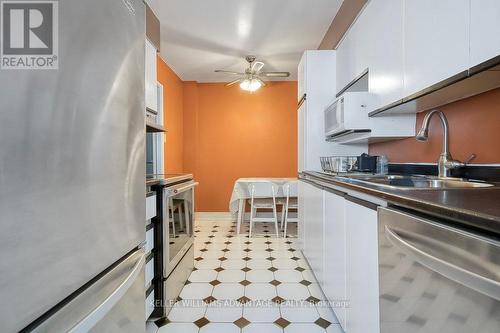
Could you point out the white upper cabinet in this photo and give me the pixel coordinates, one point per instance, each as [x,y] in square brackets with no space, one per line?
[317,81]
[436,41]
[345,62]
[150,77]
[484,30]
[375,42]
[301,78]
[386,70]
[410,45]
[353,53]
[316,74]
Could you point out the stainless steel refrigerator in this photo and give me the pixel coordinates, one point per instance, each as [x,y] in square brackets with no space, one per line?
[72,178]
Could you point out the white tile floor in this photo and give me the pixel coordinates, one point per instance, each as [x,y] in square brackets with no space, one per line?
[243,285]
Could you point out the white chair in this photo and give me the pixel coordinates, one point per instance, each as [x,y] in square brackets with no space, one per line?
[290,202]
[263,196]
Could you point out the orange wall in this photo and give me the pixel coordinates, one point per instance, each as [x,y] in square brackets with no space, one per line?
[232,134]
[222,133]
[474,128]
[173,117]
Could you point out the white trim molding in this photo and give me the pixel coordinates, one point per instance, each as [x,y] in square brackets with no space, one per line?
[214,216]
[227,216]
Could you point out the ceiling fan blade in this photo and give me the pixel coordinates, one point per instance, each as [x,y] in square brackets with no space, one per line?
[228,72]
[257,66]
[275,74]
[232,82]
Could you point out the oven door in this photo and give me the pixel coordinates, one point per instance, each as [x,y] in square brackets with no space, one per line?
[435,278]
[178,221]
[334,118]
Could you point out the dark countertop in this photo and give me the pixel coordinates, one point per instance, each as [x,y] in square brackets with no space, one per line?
[167,178]
[477,207]
[151,182]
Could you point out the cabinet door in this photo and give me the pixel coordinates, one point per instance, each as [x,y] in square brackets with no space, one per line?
[353,52]
[345,70]
[306,196]
[436,41]
[301,136]
[313,234]
[301,77]
[484,28]
[385,32]
[150,77]
[362,269]
[375,41]
[335,253]
[316,223]
[301,197]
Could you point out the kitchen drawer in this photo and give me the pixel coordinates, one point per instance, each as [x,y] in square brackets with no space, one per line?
[150,205]
[149,238]
[150,305]
[149,271]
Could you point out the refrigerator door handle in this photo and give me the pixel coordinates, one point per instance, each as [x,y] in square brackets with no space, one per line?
[87,323]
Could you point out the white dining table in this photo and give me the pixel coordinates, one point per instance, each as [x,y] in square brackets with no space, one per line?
[241,192]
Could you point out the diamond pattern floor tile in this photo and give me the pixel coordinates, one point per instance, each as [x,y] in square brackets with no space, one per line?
[231,276]
[249,285]
[219,328]
[223,314]
[306,314]
[262,328]
[185,314]
[259,314]
[178,327]
[260,291]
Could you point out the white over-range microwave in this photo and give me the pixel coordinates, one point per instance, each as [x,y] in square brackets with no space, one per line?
[348,113]
[347,120]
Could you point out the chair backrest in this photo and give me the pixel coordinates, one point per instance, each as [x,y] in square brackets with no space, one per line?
[290,189]
[263,189]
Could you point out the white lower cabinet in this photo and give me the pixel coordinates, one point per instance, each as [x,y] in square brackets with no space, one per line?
[313,207]
[149,273]
[362,315]
[301,232]
[338,234]
[150,205]
[150,304]
[316,252]
[335,254]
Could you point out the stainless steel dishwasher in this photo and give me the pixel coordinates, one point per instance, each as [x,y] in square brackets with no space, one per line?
[435,277]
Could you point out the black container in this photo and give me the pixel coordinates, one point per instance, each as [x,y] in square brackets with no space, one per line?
[367,163]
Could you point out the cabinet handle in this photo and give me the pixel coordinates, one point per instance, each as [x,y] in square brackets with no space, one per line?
[302,100]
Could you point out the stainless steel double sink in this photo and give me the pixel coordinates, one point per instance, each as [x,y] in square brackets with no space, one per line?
[416,182]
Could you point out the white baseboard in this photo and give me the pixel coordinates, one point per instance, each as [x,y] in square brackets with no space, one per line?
[227,216]
[214,216]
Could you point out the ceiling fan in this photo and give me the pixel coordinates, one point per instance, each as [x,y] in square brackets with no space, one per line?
[252,79]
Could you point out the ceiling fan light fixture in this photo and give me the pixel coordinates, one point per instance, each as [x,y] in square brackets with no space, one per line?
[250,85]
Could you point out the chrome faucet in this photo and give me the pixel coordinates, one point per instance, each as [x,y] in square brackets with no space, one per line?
[446,163]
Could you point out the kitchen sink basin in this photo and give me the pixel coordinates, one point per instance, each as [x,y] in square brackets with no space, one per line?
[419,182]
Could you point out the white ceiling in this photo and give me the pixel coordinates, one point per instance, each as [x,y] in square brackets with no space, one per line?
[199,36]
